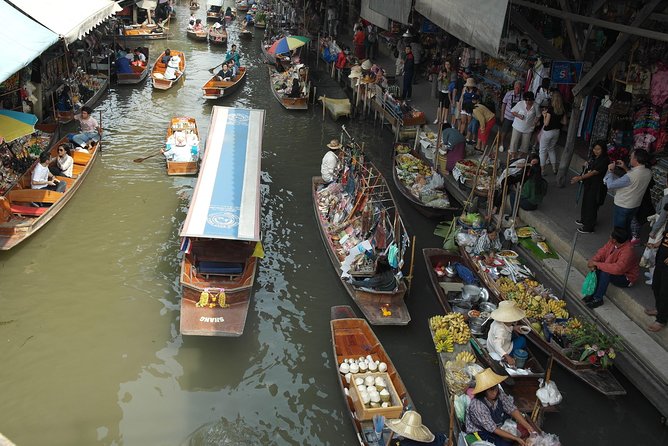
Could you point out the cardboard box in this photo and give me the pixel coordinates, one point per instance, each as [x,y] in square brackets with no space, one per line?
[364,413]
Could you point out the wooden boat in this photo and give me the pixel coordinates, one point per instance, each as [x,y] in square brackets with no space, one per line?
[215,89]
[245,34]
[353,338]
[443,213]
[300,103]
[19,219]
[459,435]
[214,10]
[242,6]
[199,36]
[221,233]
[66,116]
[139,73]
[600,379]
[144,32]
[336,107]
[371,208]
[157,74]
[189,127]
[260,25]
[217,36]
[523,387]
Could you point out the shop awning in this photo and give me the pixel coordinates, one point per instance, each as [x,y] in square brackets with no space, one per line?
[478,23]
[226,201]
[374,17]
[397,10]
[22,39]
[66,18]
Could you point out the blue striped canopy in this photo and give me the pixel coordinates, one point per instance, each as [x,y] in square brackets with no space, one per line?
[226,200]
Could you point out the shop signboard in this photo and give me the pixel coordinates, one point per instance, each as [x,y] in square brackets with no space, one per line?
[428,27]
[566,72]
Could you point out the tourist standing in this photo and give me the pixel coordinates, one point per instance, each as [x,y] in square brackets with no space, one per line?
[409,72]
[594,190]
[660,287]
[525,115]
[553,115]
[510,99]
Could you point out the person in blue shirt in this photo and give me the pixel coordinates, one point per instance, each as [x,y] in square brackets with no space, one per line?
[233,56]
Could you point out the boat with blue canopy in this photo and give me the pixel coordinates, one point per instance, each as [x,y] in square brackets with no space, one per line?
[221,234]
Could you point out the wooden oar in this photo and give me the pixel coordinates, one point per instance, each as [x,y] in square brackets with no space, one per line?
[141,160]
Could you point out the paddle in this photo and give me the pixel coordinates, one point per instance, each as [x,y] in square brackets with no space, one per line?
[225,61]
[141,160]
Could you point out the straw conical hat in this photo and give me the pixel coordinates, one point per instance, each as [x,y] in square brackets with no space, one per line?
[507,312]
[410,426]
[486,380]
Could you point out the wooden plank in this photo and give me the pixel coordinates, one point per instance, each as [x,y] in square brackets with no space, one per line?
[34,195]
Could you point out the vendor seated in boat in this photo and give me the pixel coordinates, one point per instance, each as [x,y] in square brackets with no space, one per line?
[249,19]
[225,74]
[294,90]
[198,25]
[63,164]
[505,337]
[330,166]
[139,58]
[411,432]
[166,56]
[172,71]
[382,280]
[181,147]
[42,178]
[90,130]
[490,408]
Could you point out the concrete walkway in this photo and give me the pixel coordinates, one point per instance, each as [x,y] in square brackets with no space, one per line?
[644,360]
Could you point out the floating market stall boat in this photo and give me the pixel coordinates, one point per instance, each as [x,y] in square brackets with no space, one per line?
[96,83]
[552,327]
[279,81]
[215,89]
[182,147]
[214,10]
[447,285]
[159,68]
[242,5]
[139,72]
[353,338]
[365,239]
[199,35]
[217,35]
[221,233]
[245,34]
[144,32]
[20,218]
[421,185]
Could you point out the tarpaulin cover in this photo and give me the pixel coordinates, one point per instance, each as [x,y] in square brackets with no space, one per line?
[374,17]
[22,39]
[478,23]
[70,19]
[397,10]
[226,200]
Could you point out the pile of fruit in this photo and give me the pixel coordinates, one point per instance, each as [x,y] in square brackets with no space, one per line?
[533,298]
[409,163]
[465,357]
[453,324]
[402,148]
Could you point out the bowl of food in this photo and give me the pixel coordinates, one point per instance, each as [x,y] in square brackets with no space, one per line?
[508,254]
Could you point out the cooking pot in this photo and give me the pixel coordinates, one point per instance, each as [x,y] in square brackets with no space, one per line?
[462,307]
[475,324]
[472,293]
[450,271]
[486,306]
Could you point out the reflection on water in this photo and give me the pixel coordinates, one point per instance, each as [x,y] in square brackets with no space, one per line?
[91,352]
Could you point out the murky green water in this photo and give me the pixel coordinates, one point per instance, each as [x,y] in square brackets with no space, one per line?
[89,306]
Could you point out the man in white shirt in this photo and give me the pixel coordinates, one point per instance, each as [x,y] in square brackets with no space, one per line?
[329,169]
[42,177]
[525,115]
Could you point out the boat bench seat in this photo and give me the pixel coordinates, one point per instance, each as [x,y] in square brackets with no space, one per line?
[220,268]
[31,196]
[81,158]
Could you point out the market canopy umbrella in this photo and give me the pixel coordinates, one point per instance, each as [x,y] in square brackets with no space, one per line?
[15,124]
[287,44]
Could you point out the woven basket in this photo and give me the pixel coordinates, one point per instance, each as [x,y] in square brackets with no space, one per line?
[442,161]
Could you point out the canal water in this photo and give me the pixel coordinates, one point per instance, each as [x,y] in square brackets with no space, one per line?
[89,306]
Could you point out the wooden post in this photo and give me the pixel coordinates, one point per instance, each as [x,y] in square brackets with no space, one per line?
[410,271]
[99,145]
[324,98]
[503,195]
[451,429]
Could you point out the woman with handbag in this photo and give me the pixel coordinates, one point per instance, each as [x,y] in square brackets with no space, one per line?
[593,188]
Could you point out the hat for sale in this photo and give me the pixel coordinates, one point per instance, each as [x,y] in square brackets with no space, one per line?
[470,82]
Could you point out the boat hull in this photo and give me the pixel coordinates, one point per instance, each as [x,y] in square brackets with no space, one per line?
[182,168]
[215,89]
[198,36]
[159,82]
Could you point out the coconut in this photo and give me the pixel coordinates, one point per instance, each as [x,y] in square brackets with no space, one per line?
[359,381]
[369,359]
[344,368]
[382,367]
[348,377]
[363,366]
[361,388]
[375,405]
[368,381]
[354,368]
[373,366]
[385,395]
[375,397]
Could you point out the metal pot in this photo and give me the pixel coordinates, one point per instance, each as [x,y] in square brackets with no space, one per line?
[462,307]
[487,306]
[471,293]
[475,324]
[450,271]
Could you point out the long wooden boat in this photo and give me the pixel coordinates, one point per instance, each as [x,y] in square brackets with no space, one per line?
[157,74]
[217,36]
[459,435]
[189,127]
[300,103]
[242,6]
[523,387]
[221,233]
[353,338]
[215,89]
[214,10]
[245,34]
[600,379]
[371,208]
[139,73]
[20,219]
[144,32]
[199,36]
[444,213]
[67,116]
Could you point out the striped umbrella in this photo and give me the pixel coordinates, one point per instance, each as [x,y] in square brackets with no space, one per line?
[15,124]
[287,44]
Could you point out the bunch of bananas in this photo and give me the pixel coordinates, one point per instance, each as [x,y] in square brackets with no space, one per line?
[455,324]
[465,357]
[574,324]
[530,296]
[443,341]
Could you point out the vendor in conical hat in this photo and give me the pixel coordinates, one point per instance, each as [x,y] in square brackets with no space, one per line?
[505,336]
[490,408]
[329,169]
[411,431]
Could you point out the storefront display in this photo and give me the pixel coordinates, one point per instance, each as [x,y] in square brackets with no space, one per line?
[19,155]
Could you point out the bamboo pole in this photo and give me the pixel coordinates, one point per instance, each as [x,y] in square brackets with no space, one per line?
[492,184]
[451,425]
[469,200]
[410,271]
[324,98]
[503,194]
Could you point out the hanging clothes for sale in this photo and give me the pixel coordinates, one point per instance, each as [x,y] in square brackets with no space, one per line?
[659,85]
[646,127]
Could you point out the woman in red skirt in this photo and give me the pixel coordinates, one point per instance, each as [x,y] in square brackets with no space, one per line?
[358,39]
[486,119]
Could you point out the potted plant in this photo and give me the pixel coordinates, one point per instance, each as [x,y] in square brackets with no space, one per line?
[597,348]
